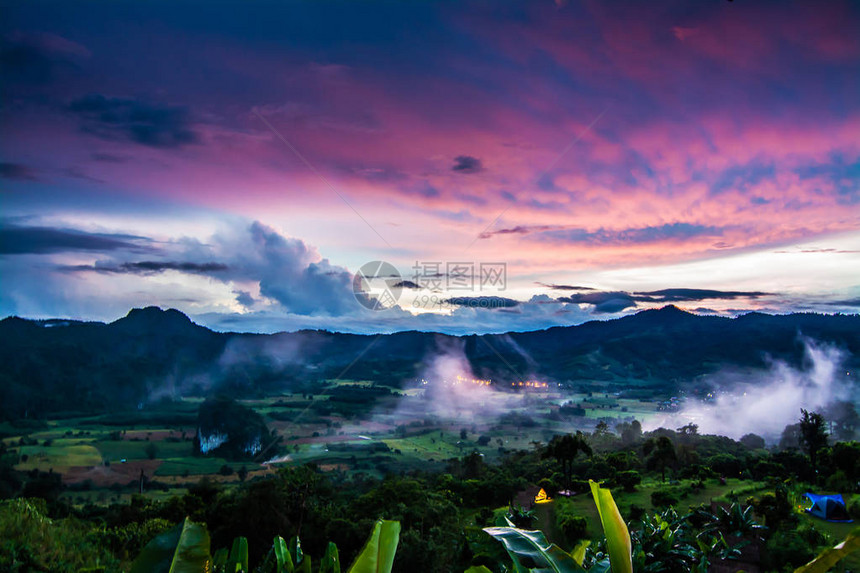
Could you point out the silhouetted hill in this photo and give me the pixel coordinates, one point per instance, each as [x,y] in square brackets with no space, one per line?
[62,366]
[153,318]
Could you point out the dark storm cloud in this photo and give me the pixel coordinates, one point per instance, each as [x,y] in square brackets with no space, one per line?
[564,287]
[692,294]
[561,235]
[38,58]
[668,232]
[244,298]
[483,301]
[21,240]
[852,302]
[518,230]
[616,301]
[407,284]
[603,302]
[16,171]
[136,121]
[286,272]
[467,164]
[151,267]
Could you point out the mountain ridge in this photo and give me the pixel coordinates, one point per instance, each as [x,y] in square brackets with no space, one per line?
[46,366]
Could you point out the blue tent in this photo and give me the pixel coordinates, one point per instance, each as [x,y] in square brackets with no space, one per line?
[828,507]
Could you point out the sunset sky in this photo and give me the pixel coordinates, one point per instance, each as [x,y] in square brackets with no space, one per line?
[241,161]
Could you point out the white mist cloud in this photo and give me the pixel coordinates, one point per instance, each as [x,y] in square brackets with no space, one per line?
[769,401]
[451,394]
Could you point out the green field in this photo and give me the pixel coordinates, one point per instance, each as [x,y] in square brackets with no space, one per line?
[136,450]
[195,466]
[59,456]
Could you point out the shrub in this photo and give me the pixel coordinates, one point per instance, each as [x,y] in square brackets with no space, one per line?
[663,498]
[629,480]
[573,527]
[839,482]
[637,512]
[791,548]
[30,541]
[725,464]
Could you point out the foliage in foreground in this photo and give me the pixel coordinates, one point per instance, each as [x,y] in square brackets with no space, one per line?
[185,549]
[51,545]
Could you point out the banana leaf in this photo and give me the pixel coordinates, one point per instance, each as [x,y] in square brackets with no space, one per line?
[283,558]
[378,553]
[183,549]
[617,536]
[238,560]
[331,560]
[830,557]
[296,549]
[219,560]
[578,552]
[532,553]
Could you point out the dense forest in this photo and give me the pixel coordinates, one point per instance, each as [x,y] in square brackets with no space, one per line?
[754,524]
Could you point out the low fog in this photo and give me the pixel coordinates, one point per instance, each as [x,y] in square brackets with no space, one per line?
[449,390]
[768,400]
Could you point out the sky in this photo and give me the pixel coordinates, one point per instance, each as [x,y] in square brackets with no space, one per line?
[520,164]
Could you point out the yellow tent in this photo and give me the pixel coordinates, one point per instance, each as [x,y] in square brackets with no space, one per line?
[542,497]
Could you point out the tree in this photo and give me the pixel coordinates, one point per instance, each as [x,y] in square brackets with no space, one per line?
[602,429]
[846,458]
[753,441]
[690,429]
[565,449]
[151,450]
[843,419]
[661,453]
[813,435]
[790,437]
[630,433]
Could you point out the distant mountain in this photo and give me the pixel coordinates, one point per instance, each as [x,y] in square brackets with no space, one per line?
[51,367]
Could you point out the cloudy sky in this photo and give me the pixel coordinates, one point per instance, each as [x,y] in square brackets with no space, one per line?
[242,161]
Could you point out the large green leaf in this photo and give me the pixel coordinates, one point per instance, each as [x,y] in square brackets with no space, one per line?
[578,552]
[478,569]
[296,549]
[302,561]
[219,560]
[238,560]
[830,557]
[282,555]
[331,560]
[617,536]
[532,553]
[378,553]
[183,549]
